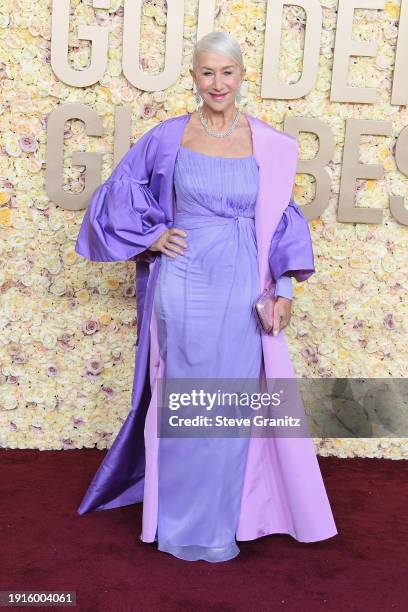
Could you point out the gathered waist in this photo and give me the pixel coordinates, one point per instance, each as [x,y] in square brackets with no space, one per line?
[214,218]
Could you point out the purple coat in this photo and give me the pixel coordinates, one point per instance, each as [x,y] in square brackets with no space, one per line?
[283,489]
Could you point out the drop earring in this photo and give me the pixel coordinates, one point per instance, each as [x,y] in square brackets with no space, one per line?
[197,96]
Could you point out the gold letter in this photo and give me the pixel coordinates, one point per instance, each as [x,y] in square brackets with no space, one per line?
[397,208]
[316,166]
[400,80]
[54,156]
[59,46]
[271,86]
[173,48]
[352,169]
[345,46]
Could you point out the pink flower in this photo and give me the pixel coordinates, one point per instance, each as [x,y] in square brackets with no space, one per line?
[64,340]
[389,322]
[129,291]
[20,358]
[147,111]
[90,326]
[309,353]
[67,442]
[94,366]
[13,349]
[28,143]
[108,391]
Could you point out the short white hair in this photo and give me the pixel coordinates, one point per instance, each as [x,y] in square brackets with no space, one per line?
[219,42]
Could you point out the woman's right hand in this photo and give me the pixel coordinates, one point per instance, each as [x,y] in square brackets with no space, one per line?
[169,243]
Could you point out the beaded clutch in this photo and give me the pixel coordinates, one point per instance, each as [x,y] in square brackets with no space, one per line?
[263,309]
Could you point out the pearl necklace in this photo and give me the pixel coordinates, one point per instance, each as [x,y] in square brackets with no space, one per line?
[211,132]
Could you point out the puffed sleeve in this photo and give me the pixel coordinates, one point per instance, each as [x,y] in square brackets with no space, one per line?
[123,218]
[291,250]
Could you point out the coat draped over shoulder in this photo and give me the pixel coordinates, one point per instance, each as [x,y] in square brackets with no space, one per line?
[123,218]
[283,487]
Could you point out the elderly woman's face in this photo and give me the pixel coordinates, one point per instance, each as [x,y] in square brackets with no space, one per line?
[218,78]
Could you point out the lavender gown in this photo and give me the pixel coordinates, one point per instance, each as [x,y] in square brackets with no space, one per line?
[125,215]
[206,329]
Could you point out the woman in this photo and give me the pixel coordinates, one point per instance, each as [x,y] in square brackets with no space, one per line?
[196,283]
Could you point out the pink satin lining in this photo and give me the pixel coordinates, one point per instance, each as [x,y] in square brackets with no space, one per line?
[260,513]
[151,483]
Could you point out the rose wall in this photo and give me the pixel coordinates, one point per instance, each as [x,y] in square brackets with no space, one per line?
[68,326]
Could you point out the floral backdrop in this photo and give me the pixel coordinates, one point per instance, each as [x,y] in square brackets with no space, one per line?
[68,326]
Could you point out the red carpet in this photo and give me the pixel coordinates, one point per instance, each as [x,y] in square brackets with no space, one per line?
[47,545]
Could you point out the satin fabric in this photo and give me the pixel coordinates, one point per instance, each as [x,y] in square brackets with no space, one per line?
[291,251]
[283,490]
[207,330]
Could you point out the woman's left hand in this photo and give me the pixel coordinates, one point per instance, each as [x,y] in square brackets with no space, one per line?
[281,314]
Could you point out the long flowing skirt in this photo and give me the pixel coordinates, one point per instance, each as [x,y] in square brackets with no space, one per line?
[202,328]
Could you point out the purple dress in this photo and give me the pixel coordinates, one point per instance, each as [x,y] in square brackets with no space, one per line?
[207,329]
[283,491]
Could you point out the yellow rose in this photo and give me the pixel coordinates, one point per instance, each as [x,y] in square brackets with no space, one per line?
[4,197]
[105,319]
[5,217]
[83,296]
[392,9]
[112,282]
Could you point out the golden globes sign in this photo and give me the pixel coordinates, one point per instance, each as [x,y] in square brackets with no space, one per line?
[345,47]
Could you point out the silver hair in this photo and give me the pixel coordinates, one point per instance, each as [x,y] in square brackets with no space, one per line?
[219,42]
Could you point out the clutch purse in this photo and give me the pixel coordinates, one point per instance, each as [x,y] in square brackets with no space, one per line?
[263,309]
